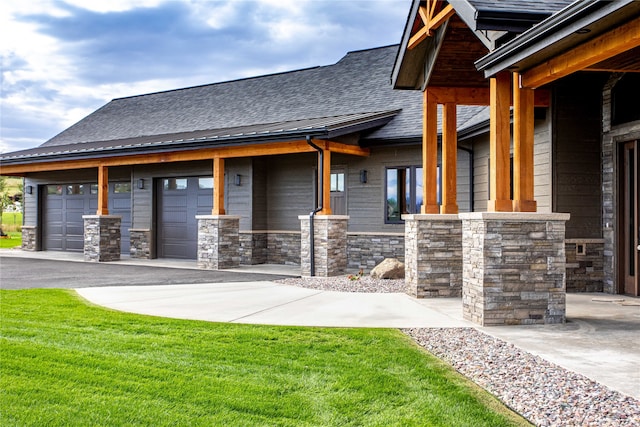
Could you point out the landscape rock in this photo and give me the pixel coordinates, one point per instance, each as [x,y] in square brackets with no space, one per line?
[390,268]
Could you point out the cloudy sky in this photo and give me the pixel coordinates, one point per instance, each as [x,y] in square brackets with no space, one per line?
[63,59]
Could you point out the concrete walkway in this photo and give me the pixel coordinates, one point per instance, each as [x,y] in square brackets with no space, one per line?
[600,340]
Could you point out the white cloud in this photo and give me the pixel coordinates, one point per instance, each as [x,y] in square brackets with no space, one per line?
[104,6]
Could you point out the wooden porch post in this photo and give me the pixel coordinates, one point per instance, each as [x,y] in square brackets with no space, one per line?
[218,186]
[449,160]
[523,130]
[103,190]
[430,154]
[326,180]
[500,142]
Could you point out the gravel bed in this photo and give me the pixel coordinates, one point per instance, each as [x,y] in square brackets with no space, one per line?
[544,393]
[364,284]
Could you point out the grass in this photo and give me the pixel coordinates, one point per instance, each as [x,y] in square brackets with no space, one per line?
[14,239]
[65,362]
[11,221]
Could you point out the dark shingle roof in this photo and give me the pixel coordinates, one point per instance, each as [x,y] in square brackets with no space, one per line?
[358,83]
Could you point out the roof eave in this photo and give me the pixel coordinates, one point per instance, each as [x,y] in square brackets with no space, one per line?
[559,26]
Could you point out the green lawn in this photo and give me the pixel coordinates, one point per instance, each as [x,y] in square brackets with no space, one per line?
[14,239]
[64,362]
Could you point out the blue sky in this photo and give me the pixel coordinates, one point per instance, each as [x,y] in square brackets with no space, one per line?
[63,59]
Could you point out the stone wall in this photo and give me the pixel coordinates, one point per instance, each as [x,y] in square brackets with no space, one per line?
[218,241]
[330,245]
[101,238]
[283,248]
[433,260]
[585,265]
[140,243]
[366,250]
[29,238]
[253,247]
[514,268]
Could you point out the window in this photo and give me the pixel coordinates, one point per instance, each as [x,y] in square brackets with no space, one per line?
[337,182]
[75,189]
[54,190]
[174,183]
[404,192]
[205,183]
[122,187]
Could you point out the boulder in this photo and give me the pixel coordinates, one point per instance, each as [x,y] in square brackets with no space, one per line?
[390,268]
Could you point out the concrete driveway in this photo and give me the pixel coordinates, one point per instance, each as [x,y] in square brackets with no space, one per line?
[600,340]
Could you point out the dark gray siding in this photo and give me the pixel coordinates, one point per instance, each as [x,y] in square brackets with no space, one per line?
[259,193]
[577,174]
[542,166]
[290,184]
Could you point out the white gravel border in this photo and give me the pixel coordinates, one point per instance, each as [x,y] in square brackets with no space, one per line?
[542,392]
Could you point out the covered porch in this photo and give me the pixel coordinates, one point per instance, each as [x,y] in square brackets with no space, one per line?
[509,263]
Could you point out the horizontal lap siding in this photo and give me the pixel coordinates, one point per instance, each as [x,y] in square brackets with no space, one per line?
[541,161]
[577,154]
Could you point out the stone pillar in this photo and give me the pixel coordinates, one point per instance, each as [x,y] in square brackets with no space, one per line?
[514,269]
[218,241]
[101,238]
[433,255]
[140,243]
[330,245]
[29,238]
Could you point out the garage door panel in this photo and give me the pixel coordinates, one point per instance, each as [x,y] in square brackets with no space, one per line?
[75,203]
[63,225]
[177,210]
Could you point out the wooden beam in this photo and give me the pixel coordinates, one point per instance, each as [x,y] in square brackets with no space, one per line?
[326,180]
[449,160]
[418,37]
[436,21]
[477,95]
[430,155]
[523,131]
[605,46]
[424,15]
[218,186]
[499,144]
[255,150]
[103,190]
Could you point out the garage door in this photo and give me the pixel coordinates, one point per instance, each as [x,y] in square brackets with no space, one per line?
[179,201]
[65,204]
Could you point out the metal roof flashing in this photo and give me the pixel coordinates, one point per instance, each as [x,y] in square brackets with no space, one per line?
[558,32]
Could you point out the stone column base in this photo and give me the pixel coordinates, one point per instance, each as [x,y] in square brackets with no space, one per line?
[218,241]
[330,245]
[29,238]
[140,243]
[101,238]
[513,268]
[433,255]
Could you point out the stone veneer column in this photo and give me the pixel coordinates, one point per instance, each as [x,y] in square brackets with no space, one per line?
[513,268]
[101,238]
[433,255]
[218,241]
[29,238]
[140,243]
[330,245]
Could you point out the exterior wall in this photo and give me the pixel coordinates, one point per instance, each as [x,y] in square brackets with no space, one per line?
[366,250]
[542,166]
[218,242]
[612,136]
[577,110]
[585,265]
